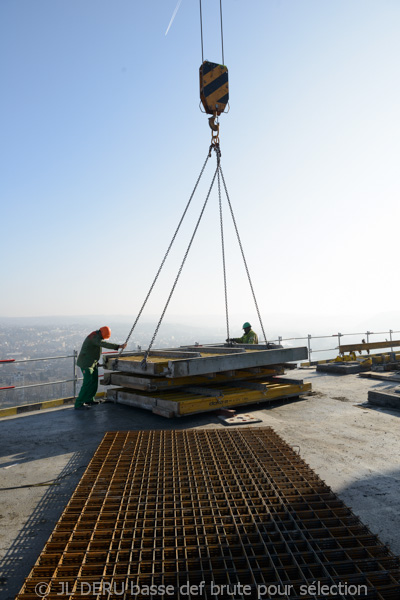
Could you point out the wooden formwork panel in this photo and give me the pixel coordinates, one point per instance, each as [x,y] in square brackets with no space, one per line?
[176,403]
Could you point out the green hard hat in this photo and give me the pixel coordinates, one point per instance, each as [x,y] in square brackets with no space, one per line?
[246,325]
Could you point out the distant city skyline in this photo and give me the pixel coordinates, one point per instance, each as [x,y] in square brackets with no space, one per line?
[102,143]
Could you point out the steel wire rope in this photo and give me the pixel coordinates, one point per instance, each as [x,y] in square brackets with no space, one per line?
[222,31]
[166,254]
[180,269]
[223,245]
[243,256]
[201,33]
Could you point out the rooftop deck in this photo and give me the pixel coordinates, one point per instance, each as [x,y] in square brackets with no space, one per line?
[355,449]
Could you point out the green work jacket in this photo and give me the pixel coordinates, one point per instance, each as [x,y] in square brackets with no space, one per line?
[90,352]
[247,338]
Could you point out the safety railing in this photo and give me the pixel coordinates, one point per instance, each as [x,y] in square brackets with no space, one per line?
[14,361]
[74,379]
[326,345]
[339,337]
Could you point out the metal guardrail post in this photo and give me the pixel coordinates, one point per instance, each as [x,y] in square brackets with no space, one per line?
[309,347]
[75,354]
[368,334]
[339,335]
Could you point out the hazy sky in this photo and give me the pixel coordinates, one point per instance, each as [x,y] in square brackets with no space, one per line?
[102,141]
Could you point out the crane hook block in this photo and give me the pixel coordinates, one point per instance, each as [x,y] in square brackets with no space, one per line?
[214,90]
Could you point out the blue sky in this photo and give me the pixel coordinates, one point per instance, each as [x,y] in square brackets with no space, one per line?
[102,141]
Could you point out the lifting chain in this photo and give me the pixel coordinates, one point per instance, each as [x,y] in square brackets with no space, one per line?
[218,174]
[146,354]
[214,126]
[222,240]
[167,252]
[243,256]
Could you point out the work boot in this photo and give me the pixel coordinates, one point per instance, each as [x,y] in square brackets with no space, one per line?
[82,407]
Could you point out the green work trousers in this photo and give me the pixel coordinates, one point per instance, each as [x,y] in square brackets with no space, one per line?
[89,387]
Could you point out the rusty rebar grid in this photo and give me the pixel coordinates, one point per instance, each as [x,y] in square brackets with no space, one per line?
[229,513]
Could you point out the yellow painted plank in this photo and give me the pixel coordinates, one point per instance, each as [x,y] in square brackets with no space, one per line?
[203,403]
[368,346]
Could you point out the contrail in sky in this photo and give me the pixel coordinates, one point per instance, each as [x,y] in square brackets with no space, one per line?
[173,16]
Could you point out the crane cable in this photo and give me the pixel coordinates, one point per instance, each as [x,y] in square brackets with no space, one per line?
[222,31]
[201,32]
[219,175]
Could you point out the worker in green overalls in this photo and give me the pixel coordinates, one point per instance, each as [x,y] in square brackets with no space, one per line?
[249,337]
[88,361]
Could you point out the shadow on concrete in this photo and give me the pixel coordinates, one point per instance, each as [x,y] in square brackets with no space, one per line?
[48,433]
[383,409]
[25,549]
[37,445]
[376,500]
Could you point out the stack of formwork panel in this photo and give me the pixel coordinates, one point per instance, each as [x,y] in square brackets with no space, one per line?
[192,379]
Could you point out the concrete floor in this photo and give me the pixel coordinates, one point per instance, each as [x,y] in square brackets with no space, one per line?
[353,448]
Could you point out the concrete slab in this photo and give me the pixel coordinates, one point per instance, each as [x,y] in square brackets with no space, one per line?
[385,399]
[384,376]
[216,364]
[189,367]
[344,368]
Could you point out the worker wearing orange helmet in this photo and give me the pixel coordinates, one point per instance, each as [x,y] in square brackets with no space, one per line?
[88,361]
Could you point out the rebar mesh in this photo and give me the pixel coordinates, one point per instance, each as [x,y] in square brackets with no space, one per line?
[208,514]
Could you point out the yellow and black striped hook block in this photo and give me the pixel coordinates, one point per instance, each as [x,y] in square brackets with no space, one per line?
[214,89]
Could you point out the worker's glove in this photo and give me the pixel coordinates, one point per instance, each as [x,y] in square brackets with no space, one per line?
[123,346]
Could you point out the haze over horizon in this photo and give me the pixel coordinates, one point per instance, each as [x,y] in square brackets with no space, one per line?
[275,325]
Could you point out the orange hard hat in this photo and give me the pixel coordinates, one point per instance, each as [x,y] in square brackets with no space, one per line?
[105,332]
